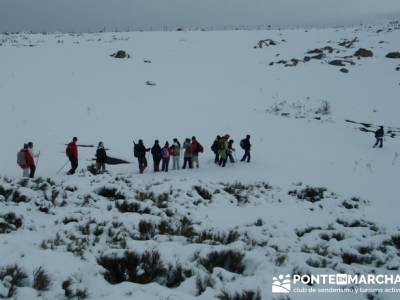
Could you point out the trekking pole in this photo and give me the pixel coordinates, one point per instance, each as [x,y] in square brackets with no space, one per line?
[58,172]
[37,161]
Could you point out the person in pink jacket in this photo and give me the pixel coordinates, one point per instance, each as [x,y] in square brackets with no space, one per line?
[166,153]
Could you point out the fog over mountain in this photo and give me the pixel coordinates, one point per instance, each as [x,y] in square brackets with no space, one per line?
[94,15]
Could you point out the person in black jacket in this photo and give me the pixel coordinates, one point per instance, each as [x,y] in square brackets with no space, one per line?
[139,151]
[101,158]
[215,148]
[379,137]
[156,153]
[246,146]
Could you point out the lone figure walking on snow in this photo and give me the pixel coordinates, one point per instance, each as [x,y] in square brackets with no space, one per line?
[379,137]
[72,154]
[246,146]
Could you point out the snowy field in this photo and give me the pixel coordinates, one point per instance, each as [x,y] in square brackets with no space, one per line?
[57,86]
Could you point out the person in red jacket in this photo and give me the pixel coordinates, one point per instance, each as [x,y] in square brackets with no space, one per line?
[166,153]
[24,160]
[196,148]
[72,153]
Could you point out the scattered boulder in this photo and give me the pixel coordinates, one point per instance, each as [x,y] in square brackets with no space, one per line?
[344,70]
[318,56]
[398,68]
[341,62]
[147,61]
[151,83]
[363,53]
[306,58]
[393,55]
[315,51]
[266,43]
[120,54]
[328,49]
[293,62]
[348,43]
[337,62]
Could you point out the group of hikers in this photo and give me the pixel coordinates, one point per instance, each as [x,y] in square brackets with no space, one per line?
[222,148]
[190,150]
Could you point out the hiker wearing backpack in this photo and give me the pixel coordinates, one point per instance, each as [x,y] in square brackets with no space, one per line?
[230,151]
[139,151]
[101,158]
[72,154]
[166,153]
[196,148]
[32,166]
[246,146]
[176,154]
[223,151]
[156,153]
[215,148]
[187,155]
[23,160]
[379,137]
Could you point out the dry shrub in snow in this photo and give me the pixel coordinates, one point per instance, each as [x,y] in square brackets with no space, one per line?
[229,260]
[41,280]
[244,295]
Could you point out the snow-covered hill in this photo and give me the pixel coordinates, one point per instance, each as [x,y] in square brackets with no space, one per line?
[274,214]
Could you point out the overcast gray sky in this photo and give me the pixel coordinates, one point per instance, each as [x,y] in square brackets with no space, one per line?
[94,15]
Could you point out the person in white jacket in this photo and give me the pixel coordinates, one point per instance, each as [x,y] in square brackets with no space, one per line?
[176,154]
[34,156]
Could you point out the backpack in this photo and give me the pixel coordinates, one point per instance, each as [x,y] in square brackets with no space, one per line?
[176,150]
[215,146]
[164,152]
[68,150]
[21,158]
[242,144]
[136,150]
[200,148]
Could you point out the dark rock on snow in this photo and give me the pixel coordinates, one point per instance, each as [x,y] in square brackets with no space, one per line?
[120,54]
[341,62]
[363,53]
[318,56]
[393,55]
[337,62]
[266,43]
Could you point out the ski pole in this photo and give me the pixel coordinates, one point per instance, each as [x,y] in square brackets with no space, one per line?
[37,161]
[58,172]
